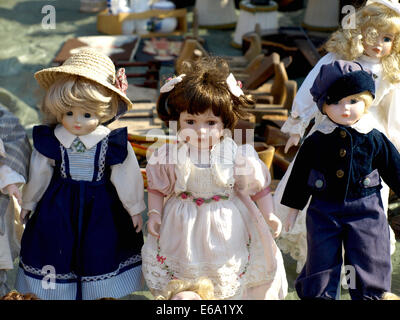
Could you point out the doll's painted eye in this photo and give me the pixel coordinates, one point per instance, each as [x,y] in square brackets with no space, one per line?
[211,123]
[387,39]
[69,113]
[353,101]
[87,115]
[190,121]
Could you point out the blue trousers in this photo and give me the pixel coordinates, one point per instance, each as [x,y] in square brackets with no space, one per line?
[361,227]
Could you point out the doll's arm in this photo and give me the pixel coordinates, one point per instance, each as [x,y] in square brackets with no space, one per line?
[266,206]
[128,182]
[10,181]
[156,203]
[40,173]
[290,219]
[304,108]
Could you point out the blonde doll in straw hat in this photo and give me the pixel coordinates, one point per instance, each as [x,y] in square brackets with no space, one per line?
[375,44]
[85,190]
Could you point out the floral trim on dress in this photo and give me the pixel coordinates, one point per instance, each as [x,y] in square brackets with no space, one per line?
[161,259]
[199,201]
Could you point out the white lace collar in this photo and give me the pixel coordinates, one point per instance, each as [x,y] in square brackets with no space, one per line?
[89,140]
[364,125]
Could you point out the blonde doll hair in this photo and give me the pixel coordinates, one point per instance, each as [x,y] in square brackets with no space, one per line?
[71,91]
[202,286]
[365,96]
[370,19]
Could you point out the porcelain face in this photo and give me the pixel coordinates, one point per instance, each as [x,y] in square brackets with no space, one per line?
[201,130]
[381,46]
[347,111]
[79,122]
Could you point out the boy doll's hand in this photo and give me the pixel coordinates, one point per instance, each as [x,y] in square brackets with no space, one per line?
[290,219]
[292,141]
[13,190]
[137,221]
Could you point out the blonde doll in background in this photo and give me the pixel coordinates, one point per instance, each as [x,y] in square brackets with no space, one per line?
[375,45]
[200,289]
[85,189]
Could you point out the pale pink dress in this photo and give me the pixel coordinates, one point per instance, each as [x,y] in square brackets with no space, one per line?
[226,238]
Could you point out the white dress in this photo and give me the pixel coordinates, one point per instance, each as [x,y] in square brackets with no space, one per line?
[213,238]
[383,115]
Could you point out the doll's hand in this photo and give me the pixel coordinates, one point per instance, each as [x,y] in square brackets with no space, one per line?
[13,190]
[154,224]
[291,219]
[275,224]
[137,222]
[23,216]
[292,141]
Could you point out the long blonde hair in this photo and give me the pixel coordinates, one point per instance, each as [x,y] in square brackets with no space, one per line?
[370,19]
[75,91]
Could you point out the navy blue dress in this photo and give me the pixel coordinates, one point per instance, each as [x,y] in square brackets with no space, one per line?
[80,242]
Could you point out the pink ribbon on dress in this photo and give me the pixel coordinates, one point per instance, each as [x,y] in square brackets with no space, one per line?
[120,80]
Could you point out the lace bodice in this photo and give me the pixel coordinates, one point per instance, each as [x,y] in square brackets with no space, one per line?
[201,183]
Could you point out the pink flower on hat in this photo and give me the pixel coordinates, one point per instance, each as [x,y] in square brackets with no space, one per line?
[216,198]
[120,80]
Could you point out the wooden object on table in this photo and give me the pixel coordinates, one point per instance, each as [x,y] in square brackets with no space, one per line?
[112,24]
[250,15]
[253,51]
[277,90]
[216,14]
[321,15]
[281,93]
[191,50]
[266,154]
[305,48]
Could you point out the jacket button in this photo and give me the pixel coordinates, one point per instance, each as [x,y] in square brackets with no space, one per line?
[340,173]
[343,134]
[342,152]
[366,182]
[319,183]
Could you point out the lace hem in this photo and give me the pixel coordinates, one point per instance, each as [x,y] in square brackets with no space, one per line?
[72,276]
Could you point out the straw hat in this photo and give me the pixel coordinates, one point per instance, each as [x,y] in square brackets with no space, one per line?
[90,64]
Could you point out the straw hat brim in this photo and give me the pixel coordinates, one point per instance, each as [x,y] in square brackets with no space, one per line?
[47,77]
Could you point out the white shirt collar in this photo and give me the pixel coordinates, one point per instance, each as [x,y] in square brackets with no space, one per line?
[364,125]
[89,140]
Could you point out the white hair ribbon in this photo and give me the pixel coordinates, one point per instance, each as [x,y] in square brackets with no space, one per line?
[233,86]
[394,5]
[171,83]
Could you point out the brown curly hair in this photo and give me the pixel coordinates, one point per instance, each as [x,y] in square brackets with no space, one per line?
[204,86]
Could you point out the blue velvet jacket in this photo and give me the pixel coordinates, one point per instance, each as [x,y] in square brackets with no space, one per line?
[342,165]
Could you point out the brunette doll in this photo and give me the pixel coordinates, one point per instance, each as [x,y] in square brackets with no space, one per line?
[209,225]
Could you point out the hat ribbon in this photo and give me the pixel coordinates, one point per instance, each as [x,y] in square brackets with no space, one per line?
[120,80]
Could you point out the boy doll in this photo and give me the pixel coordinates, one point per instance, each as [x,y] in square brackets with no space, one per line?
[341,165]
